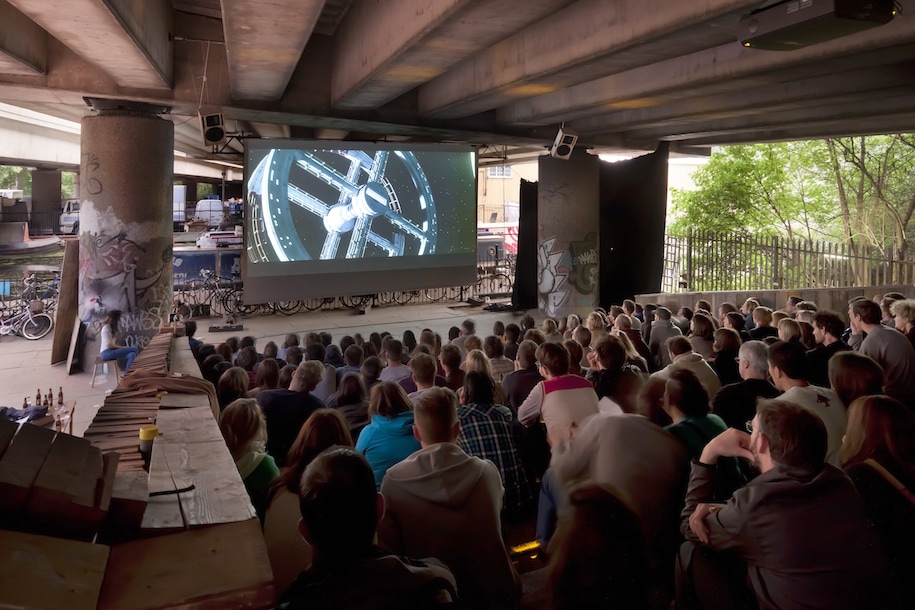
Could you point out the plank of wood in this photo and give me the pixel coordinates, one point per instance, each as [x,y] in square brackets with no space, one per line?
[188,425]
[219,495]
[162,512]
[106,484]
[129,496]
[92,473]
[21,464]
[179,570]
[44,572]
[173,400]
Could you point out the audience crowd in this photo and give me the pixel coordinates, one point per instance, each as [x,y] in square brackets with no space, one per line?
[731,457]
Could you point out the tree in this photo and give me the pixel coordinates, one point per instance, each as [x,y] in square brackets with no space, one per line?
[13,177]
[859,191]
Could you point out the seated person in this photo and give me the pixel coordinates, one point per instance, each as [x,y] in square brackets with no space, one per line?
[878,454]
[487,433]
[597,557]
[288,553]
[797,534]
[444,503]
[389,437]
[245,432]
[340,510]
[686,401]
[190,329]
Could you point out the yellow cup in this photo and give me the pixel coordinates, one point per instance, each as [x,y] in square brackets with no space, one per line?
[149,432]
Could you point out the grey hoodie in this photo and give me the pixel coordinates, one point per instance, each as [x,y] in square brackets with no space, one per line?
[441,502]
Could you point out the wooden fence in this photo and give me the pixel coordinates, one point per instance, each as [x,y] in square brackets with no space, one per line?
[706,261]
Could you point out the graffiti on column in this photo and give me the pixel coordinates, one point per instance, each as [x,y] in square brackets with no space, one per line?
[93,183]
[551,278]
[111,276]
[583,264]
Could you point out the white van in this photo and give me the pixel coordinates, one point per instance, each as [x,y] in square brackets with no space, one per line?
[69,218]
[210,210]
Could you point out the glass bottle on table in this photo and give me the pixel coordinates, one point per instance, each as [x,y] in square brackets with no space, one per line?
[60,395]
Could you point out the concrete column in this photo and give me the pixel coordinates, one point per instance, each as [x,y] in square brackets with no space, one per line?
[76,185]
[568,218]
[125,239]
[45,202]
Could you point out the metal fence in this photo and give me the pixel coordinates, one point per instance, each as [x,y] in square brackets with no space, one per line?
[706,261]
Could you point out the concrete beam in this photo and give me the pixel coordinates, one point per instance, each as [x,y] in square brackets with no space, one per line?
[724,68]
[23,44]
[127,40]
[589,39]
[769,98]
[382,50]
[265,43]
[898,123]
[849,112]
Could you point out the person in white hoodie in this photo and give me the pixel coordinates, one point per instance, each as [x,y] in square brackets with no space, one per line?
[441,502]
[683,357]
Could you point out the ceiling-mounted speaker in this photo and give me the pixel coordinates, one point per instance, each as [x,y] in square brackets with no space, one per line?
[564,143]
[214,129]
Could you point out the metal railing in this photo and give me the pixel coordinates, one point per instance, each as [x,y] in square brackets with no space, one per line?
[706,261]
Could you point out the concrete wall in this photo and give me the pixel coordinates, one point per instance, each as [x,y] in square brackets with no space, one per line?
[835,299]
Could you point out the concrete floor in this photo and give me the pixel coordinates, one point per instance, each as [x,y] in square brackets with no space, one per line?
[25,366]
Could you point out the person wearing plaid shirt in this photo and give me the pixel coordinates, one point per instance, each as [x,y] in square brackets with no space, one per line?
[486,432]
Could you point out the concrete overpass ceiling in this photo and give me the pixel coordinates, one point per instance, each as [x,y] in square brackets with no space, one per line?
[624,74]
[383,50]
[127,40]
[23,44]
[265,42]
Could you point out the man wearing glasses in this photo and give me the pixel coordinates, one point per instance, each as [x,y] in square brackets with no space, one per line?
[796,536]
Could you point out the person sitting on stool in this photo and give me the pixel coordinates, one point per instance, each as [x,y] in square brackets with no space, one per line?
[110,349]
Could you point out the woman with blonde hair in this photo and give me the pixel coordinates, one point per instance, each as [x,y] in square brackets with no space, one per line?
[789,331]
[904,317]
[633,356]
[245,432]
[572,322]
[551,331]
[878,454]
[477,361]
[597,325]
[289,554]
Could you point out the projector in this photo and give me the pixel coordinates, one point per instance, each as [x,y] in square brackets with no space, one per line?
[794,24]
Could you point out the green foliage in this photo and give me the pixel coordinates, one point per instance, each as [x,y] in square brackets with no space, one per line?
[858,191]
[792,189]
[12,177]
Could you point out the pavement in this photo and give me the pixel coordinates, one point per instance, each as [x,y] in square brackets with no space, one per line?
[25,366]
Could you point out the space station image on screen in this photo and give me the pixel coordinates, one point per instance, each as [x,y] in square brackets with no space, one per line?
[309,204]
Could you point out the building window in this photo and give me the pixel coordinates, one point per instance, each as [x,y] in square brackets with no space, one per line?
[500,171]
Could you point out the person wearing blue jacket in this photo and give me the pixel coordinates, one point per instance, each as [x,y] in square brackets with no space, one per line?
[388,438]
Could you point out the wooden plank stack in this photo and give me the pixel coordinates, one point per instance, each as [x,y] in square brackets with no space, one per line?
[53,483]
[61,485]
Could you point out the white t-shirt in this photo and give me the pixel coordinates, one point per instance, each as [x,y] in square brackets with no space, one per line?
[107,338]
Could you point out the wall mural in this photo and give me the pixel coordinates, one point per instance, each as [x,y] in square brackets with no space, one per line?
[551,278]
[116,271]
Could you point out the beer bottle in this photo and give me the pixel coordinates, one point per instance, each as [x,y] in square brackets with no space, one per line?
[60,395]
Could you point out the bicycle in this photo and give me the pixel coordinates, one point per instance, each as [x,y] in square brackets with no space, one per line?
[36,290]
[212,290]
[26,323]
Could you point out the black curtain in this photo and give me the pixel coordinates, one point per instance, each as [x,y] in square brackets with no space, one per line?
[633,211]
[524,290]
